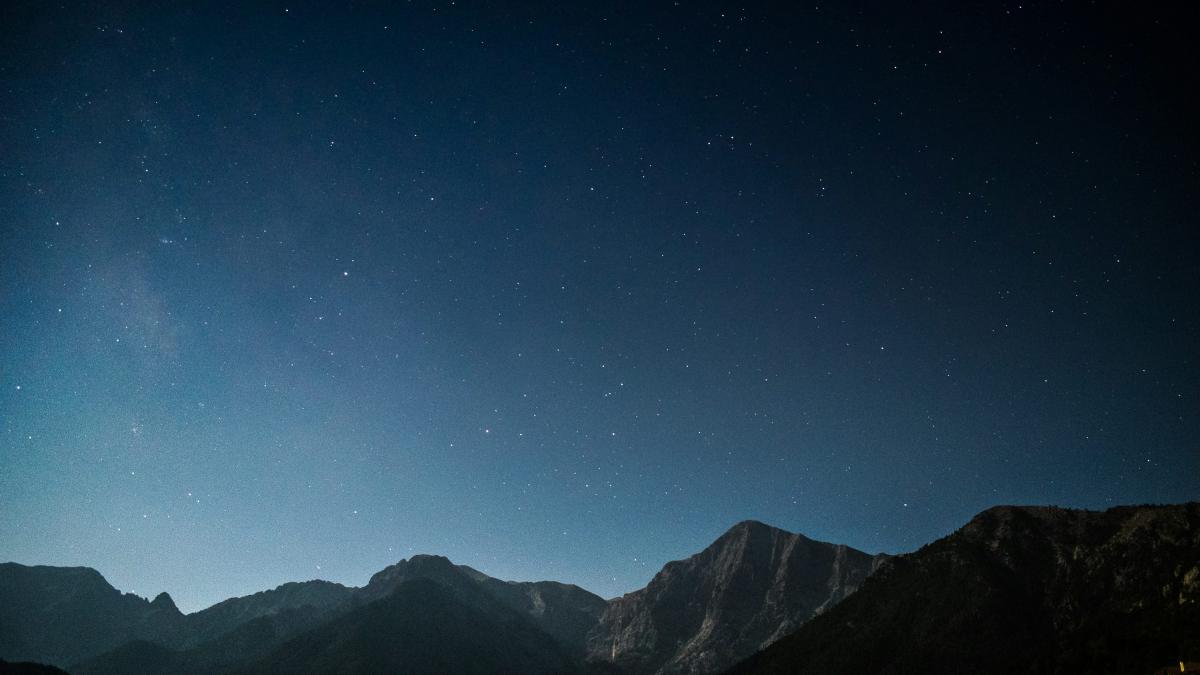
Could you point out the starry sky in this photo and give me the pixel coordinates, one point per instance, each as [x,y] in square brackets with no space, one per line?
[291,291]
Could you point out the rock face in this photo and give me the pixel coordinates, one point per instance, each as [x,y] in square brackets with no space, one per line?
[753,585]
[565,611]
[1019,589]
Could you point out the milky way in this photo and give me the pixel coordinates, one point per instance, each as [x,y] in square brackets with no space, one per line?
[292,291]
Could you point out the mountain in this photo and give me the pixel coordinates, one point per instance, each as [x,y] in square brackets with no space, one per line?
[228,633]
[564,611]
[316,597]
[240,645]
[59,615]
[423,626]
[435,567]
[752,586]
[240,631]
[1019,589]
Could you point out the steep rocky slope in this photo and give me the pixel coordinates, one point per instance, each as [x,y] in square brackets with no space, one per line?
[753,585]
[1019,589]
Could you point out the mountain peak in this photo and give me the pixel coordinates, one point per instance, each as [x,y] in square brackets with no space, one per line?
[752,585]
[163,602]
[1063,582]
[430,559]
[423,564]
[755,534]
[436,567]
[62,614]
[757,527]
[751,525]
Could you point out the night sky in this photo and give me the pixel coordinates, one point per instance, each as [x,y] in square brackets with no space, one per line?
[562,292]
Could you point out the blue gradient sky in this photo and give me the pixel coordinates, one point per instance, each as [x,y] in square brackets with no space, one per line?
[291,292]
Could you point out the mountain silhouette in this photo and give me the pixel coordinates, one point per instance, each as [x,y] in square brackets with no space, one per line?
[564,611]
[239,631]
[59,615]
[315,598]
[423,626]
[753,585]
[1019,590]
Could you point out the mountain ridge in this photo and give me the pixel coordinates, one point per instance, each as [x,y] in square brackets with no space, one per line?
[754,583]
[1114,591]
[422,626]
[751,600]
[236,626]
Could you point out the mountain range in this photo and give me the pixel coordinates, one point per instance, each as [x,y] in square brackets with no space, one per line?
[1020,590]
[1077,591]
